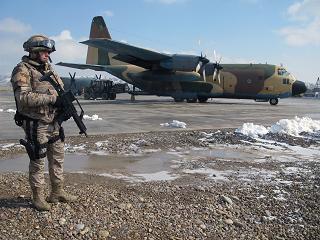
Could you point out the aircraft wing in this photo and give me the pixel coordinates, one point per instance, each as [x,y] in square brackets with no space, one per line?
[82,66]
[126,50]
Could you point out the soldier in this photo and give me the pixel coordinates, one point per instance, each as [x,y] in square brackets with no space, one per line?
[37,107]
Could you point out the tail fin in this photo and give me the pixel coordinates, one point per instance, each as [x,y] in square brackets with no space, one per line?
[96,56]
[98,30]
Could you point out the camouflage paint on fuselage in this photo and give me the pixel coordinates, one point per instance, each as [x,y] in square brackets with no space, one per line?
[258,81]
[174,74]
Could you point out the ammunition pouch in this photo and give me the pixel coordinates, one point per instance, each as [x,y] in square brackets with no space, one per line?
[61,134]
[38,151]
[34,151]
[18,118]
[30,148]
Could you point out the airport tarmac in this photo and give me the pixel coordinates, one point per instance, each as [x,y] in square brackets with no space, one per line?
[148,112]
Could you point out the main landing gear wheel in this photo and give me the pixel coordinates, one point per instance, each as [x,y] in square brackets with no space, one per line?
[273,101]
[202,99]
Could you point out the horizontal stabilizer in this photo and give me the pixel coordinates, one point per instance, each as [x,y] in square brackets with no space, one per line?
[116,70]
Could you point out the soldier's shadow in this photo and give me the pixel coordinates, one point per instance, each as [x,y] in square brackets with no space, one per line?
[15,203]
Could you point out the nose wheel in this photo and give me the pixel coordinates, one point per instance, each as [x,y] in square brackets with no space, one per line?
[273,101]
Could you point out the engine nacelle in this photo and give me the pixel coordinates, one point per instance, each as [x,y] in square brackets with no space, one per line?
[181,62]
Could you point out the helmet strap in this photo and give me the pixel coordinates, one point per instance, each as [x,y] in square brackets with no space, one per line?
[34,55]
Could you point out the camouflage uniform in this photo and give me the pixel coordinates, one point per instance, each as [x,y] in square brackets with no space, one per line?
[35,105]
[35,100]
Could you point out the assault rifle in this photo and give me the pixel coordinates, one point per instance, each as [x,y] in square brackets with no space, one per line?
[68,110]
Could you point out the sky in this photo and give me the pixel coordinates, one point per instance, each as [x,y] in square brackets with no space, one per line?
[278,32]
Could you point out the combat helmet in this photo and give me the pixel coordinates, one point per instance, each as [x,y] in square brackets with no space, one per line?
[38,43]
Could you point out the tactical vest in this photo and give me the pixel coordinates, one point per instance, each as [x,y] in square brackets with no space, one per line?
[25,80]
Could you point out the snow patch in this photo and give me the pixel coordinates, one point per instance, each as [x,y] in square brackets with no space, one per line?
[9,110]
[142,177]
[174,124]
[76,148]
[134,148]
[284,126]
[211,173]
[141,143]
[7,146]
[93,118]
[158,176]
[295,126]
[117,176]
[252,130]
[101,144]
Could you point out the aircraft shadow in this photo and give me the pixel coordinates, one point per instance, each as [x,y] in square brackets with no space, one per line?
[169,101]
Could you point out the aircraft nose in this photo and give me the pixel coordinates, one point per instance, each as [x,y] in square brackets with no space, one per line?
[298,87]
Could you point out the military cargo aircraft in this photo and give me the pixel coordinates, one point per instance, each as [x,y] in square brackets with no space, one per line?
[185,77]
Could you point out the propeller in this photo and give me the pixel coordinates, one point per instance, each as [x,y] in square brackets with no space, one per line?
[72,81]
[217,67]
[72,76]
[216,72]
[202,60]
[201,67]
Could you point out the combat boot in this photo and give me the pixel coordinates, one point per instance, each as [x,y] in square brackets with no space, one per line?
[38,200]
[59,195]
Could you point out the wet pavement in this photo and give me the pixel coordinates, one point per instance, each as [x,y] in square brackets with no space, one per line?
[148,112]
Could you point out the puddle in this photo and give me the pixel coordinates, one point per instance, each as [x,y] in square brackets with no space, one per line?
[158,165]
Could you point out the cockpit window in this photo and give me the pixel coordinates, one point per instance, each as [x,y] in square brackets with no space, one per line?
[282,72]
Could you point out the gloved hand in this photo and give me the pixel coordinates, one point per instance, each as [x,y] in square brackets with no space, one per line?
[58,103]
[66,117]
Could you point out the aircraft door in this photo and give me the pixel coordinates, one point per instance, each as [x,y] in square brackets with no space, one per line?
[228,83]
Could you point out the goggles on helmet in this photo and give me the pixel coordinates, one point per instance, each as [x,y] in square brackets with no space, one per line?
[50,44]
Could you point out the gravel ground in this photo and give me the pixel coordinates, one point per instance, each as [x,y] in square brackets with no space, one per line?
[190,207]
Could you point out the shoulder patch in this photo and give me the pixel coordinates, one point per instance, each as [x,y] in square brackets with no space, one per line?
[20,75]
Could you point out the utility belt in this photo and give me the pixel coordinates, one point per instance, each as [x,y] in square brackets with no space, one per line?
[34,149]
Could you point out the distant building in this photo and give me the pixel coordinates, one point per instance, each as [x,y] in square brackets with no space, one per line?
[314,91]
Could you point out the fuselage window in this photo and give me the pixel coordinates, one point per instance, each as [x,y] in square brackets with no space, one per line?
[283,72]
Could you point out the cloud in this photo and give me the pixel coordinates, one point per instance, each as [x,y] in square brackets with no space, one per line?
[108,13]
[167,2]
[10,25]
[305,30]
[302,35]
[68,48]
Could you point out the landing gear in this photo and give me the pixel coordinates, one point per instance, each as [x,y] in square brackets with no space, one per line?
[191,100]
[273,101]
[202,99]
